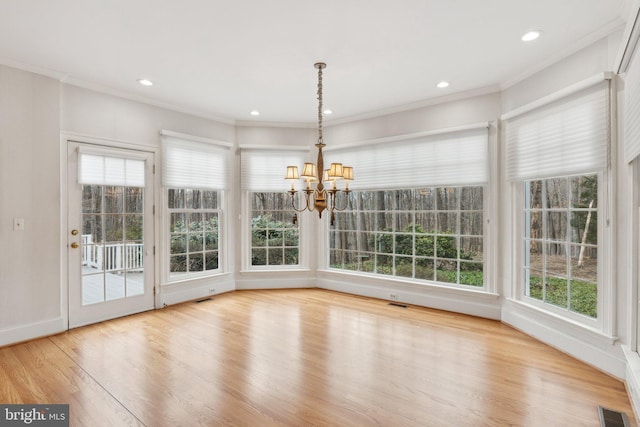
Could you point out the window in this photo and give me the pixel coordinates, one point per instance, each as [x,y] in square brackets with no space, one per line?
[433,234]
[417,210]
[194,232]
[274,237]
[195,175]
[561,242]
[557,160]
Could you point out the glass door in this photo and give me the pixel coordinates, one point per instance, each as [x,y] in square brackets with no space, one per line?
[110,240]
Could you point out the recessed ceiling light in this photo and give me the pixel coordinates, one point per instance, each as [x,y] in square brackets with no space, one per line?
[255,113]
[327,111]
[145,82]
[531,35]
[442,84]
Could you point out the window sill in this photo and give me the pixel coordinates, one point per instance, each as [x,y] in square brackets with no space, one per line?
[577,330]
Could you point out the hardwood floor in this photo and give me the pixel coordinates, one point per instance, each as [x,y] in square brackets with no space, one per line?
[306,357]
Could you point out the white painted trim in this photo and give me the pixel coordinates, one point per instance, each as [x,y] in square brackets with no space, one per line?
[31,331]
[463,95]
[472,302]
[567,91]
[275,281]
[263,124]
[72,81]
[402,137]
[118,143]
[607,308]
[182,292]
[194,138]
[633,210]
[64,230]
[587,345]
[629,39]
[632,378]
[492,211]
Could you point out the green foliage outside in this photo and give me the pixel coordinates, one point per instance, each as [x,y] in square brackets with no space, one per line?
[443,247]
[584,295]
[425,244]
[199,239]
[273,242]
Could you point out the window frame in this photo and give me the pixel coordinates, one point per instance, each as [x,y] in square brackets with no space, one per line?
[187,211]
[247,232]
[487,285]
[166,237]
[605,289]
[171,178]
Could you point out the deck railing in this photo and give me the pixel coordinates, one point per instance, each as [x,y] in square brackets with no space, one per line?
[112,256]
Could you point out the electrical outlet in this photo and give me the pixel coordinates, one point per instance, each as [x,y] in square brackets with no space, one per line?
[393,297]
[18,224]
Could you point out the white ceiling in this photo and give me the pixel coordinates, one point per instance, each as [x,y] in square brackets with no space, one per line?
[225,58]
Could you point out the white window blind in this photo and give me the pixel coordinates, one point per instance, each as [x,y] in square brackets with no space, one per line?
[193,164]
[567,136]
[264,170]
[632,109]
[96,169]
[451,158]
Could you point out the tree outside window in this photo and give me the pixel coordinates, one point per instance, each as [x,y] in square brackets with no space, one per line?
[561,242]
[274,236]
[433,233]
[194,232]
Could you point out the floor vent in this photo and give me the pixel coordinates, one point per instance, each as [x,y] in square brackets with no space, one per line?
[610,418]
[203,300]
[397,304]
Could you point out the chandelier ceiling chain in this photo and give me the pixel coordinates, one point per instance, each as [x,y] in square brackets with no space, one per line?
[319,198]
[320,66]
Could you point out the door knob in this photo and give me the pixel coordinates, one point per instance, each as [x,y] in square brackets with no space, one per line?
[74,232]
[74,245]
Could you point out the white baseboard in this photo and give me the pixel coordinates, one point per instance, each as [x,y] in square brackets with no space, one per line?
[31,331]
[591,347]
[178,293]
[633,379]
[470,302]
[275,283]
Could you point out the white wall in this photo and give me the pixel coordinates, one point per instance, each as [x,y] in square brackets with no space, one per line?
[30,293]
[94,114]
[447,114]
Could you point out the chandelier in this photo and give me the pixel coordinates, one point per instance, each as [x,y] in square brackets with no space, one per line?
[317,197]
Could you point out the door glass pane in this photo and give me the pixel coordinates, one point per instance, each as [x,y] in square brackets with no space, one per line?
[112,243]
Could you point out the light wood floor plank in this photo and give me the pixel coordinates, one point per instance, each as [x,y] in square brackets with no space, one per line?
[306,357]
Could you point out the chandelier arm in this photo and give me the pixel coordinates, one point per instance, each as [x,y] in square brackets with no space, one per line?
[311,200]
[346,205]
[293,201]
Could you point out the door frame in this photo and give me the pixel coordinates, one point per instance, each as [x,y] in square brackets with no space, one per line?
[70,137]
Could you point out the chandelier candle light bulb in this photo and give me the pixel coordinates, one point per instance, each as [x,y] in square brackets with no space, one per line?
[319,198]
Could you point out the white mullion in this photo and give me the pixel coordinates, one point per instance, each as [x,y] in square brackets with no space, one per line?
[544,212]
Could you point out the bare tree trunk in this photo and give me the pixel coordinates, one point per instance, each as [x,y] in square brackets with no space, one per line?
[584,236]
